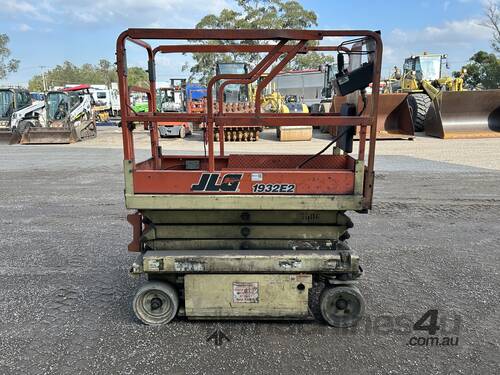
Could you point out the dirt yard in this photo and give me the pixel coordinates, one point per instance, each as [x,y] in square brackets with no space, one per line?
[431,242]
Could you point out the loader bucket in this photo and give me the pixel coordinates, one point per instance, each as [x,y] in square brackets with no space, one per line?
[8,137]
[465,114]
[393,119]
[48,136]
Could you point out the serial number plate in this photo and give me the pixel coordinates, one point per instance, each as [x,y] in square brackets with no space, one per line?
[273,188]
[246,292]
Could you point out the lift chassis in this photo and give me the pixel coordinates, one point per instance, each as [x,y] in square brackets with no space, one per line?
[248,236]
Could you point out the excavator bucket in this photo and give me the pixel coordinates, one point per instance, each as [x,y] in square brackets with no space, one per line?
[394,117]
[48,136]
[465,114]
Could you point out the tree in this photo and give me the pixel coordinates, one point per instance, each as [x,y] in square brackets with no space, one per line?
[256,14]
[493,22]
[137,77]
[483,71]
[103,73]
[107,71]
[6,66]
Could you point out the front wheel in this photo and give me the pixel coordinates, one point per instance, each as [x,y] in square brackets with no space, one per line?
[24,125]
[156,303]
[419,106]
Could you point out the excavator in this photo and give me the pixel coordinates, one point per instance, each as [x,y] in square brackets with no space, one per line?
[438,103]
[68,117]
[17,112]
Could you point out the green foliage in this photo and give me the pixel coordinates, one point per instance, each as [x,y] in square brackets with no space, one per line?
[103,73]
[255,14]
[6,66]
[137,77]
[483,71]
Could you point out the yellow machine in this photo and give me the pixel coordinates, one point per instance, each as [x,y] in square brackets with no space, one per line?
[423,79]
[438,103]
[273,101]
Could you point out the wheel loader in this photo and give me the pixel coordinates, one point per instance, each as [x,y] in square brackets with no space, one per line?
[440,106]
[394,116]
[17,112]
[68,117]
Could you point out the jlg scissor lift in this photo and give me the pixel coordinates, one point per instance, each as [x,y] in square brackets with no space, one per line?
[246,236]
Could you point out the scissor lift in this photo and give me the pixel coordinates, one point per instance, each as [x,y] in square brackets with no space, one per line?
[247,236]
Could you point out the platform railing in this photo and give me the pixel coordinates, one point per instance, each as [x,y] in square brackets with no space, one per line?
[289,44]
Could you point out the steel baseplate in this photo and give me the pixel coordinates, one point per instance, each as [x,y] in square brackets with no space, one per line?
[266,284]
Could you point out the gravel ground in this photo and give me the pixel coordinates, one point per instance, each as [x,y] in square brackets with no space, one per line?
[431,242]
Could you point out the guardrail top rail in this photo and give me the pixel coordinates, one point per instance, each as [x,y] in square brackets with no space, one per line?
[278,47]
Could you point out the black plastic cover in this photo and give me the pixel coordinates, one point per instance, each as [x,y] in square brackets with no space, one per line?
[346,83]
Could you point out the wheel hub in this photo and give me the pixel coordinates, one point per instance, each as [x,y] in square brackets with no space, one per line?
[341,304]
[156,303]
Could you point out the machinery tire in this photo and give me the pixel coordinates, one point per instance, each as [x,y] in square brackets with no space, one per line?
[156,303]
[24,125]
[182,132]
[315,108]
[341,306]
[419,106]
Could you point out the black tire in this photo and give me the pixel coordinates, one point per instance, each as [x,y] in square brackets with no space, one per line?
[315,108]
[24,125]
[341,306]
[419,106]
[156,303]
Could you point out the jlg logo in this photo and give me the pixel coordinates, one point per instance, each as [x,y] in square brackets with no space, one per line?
[209,182]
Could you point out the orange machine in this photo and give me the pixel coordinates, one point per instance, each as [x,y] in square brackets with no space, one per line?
[250,235]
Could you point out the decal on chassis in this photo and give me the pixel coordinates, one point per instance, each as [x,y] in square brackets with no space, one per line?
[273,188]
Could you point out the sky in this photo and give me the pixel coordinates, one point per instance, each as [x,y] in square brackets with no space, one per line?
[45,33]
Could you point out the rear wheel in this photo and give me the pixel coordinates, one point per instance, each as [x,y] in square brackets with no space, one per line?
[419,105]
[156,303]
[342,306]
